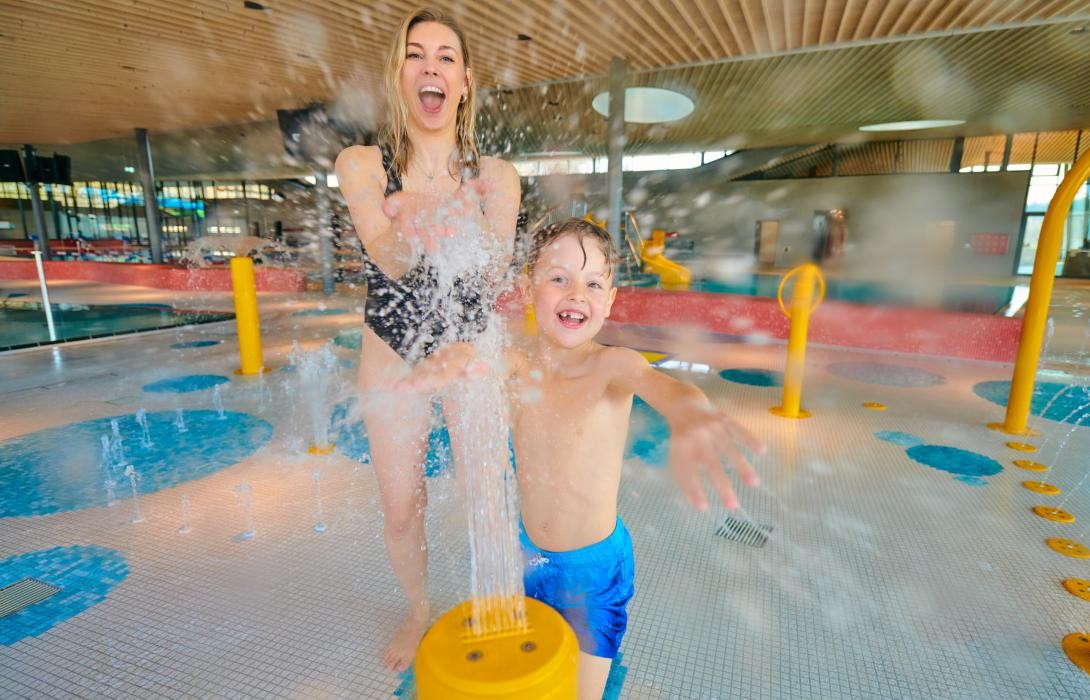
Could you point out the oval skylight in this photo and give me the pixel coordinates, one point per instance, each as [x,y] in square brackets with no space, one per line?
[912,125]
[648,105]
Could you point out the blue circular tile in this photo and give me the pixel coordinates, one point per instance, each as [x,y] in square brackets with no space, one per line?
[899,438]
[1063,403]
[195,344]
[753,377]
[61,468]
[85,574]
[888,375]
[954,460]
[185,384]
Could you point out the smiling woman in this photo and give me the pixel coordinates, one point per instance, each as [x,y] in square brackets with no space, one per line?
[425,190]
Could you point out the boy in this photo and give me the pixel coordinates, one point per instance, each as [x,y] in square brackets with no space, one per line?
[570,405]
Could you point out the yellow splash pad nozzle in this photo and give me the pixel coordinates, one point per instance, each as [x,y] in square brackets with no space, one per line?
[803,302]
[536,661]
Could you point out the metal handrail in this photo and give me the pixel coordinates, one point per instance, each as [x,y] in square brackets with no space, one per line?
[633,248]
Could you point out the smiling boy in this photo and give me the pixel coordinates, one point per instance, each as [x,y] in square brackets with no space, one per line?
[571,399]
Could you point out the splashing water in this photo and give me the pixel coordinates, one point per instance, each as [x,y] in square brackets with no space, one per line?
[108,471]
[179,421]
[491,499]
[142,421]
[185,528]
[316,476]
[130,471]
[217,403]
[244,495]
[314,370]
[465,288]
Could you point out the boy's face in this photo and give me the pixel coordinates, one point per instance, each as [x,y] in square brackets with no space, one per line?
[571,299]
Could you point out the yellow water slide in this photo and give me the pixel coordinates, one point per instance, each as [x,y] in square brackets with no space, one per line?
[672,274]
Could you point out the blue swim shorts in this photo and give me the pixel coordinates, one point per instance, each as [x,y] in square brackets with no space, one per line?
[590,587]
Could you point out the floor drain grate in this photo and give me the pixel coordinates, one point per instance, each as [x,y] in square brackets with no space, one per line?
[24,593]
[744,531]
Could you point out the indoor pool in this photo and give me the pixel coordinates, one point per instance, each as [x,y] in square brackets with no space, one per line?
[23,323]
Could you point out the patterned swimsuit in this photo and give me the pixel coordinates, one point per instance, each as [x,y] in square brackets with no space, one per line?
[411,314]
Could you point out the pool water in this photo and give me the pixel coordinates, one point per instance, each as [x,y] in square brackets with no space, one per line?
[975,298]
[23,324]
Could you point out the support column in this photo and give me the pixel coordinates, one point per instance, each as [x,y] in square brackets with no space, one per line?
[615,149]
[325,245]
[151,205]
[30,164]
[956,154]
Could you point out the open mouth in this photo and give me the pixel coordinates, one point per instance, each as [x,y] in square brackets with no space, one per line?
[571,319]
[431,99]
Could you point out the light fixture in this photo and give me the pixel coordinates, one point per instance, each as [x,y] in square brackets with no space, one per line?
[912,125]
[647,105]
[130,169]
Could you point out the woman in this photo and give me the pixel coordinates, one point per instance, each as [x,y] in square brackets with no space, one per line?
[401,197]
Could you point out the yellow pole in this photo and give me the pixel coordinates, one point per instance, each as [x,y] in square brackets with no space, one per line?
[802,296]
[1040,294]
[246,319]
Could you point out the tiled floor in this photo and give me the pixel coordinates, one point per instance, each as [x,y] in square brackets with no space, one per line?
[882,577]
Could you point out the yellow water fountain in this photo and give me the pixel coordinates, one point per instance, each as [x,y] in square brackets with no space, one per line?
[535,660]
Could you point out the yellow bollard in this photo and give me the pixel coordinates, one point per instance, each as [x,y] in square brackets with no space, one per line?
[246,318]
[536,663]
[802,305]
[1040,294]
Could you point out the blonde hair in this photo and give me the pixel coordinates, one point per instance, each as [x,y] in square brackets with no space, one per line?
[397,132]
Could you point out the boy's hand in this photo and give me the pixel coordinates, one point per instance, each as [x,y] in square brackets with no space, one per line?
[700,436]
[449,364]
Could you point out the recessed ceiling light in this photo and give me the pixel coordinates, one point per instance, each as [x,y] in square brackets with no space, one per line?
[912,125]
[647,105]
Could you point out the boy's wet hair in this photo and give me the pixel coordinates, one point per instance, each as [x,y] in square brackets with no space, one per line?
[582,230]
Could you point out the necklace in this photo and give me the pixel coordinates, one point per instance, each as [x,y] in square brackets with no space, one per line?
[430,177]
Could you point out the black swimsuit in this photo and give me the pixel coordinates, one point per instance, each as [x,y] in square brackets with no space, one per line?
[410,313]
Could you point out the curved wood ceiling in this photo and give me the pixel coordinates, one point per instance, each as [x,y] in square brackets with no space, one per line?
[762,72]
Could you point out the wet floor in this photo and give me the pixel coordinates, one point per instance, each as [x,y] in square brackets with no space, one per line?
[890,552]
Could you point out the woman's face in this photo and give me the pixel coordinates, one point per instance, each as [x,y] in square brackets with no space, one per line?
[434,77]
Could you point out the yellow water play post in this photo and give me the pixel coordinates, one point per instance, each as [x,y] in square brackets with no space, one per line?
[246,318]
[802,305]
[537,661]
[1040,294]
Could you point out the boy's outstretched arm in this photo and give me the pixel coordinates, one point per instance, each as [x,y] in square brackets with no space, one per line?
[700,434]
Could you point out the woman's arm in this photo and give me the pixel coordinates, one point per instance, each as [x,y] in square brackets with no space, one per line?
[362,181]
[501,199]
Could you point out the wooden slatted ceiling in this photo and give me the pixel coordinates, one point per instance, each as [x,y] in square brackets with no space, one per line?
[1025,79]
[84,69]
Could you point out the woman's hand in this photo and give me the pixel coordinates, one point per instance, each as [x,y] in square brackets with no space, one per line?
[447,365]
[424,221]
